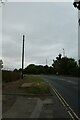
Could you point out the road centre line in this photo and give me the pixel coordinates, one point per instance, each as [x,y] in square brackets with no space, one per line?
[69,81]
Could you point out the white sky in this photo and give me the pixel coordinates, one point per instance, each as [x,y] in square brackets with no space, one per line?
[48,27]
[40,0]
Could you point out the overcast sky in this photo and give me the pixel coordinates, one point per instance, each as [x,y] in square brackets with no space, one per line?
[48,28]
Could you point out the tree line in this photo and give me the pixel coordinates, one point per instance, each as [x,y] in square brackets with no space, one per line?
[60,66]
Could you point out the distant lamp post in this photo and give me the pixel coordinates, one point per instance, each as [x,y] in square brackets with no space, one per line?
[63,52]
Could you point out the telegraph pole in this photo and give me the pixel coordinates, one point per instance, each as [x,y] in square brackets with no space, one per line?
[23,55]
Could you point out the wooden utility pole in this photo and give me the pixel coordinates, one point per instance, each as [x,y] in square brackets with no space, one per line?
[23,55]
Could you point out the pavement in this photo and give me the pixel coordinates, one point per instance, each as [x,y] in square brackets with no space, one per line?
[35,107]
[23,106]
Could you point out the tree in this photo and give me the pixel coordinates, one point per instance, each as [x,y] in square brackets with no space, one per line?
[38,69]
[31,69]
[59,57]
[56,64]
[1,64]
[15,70]
[65,65]
[79,62]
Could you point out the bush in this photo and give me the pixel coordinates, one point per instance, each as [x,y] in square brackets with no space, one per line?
[9,76]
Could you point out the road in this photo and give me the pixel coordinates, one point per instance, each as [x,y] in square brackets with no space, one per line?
[68,88]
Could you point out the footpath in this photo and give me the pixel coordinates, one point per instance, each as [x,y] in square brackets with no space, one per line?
[20,105]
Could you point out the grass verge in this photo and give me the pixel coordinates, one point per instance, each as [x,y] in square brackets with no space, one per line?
[39,86]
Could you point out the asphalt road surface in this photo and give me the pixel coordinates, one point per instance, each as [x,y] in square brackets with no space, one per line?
[68,88]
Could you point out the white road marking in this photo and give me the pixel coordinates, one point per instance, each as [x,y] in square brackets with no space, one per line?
[75,83]
[64,103]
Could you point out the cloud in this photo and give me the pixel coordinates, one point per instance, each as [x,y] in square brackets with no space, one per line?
[48,28]
[40,0]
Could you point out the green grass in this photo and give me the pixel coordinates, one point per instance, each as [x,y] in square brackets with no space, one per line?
[39,86]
